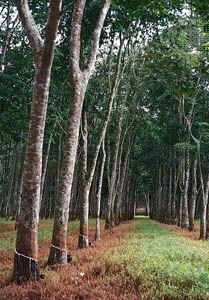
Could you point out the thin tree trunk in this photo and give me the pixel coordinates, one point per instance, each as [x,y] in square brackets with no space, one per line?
[83,241]
[89,179]
[59,158]
[203,212]
[185,219]
[193,196]
[159,194]
[45,163]
[10,184]
[98,195]
[207,227]
[109,220]
[147,201]
[86,185]
[176,180]
[10,27]
[122,182]
[181,186]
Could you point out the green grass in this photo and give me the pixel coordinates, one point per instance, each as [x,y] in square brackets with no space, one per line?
[6,222]
[164,263]
[7,241]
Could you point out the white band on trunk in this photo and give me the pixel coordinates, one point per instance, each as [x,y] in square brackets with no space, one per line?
[25,256]
[64,250]
[83,236]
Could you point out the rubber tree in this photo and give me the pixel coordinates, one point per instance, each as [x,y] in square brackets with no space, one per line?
[26,254]
[98,194]
[89,174]
[79,78]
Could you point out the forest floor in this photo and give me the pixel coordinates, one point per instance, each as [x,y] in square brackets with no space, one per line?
[139,260]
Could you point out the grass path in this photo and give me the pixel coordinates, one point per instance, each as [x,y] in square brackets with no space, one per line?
[165,263]
[137,260]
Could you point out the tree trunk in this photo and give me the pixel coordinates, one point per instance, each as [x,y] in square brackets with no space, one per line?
[170,189]
[45,164]
[122,183]
[203,212]
[10,27]
[181,186]
[26,253]
[78,80]
[174,200]
[87,180]
[109,219]
[207,227]
[58,251]
[203,217]
[147,200]
[159,194]
[193,197]
[98,195]
[185,219]
[83,241]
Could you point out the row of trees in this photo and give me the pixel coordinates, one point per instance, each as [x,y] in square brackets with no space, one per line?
[131,126]
[179,176]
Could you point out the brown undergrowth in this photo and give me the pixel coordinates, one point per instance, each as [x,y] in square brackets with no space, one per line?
[194,235]
[6,227]
[87,277]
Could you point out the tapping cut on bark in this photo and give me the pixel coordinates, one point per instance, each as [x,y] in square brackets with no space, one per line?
[26,255]
[25,268]
[57,256]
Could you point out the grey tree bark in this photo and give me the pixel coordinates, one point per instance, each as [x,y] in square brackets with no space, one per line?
[26,253]
[193,196]
[78,80]
[99,191]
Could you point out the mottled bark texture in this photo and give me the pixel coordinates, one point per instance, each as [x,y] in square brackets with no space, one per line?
[118,213]
[192,204]
[109,219]
[26,254]
[98,194]
[169,205]
[89,175]
[204,203]
[83,241]
[207,227]
[185,218]
[45,163]
[78,81]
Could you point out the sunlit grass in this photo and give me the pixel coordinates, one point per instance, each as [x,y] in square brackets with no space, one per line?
[165,263]
[7,240]
[6,222]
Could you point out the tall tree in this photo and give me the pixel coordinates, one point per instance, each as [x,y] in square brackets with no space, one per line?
[79,78]
[26,254]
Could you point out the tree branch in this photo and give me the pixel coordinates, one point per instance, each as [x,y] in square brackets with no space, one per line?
[75,39]
[97,34]
[51,29]
[30,27]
